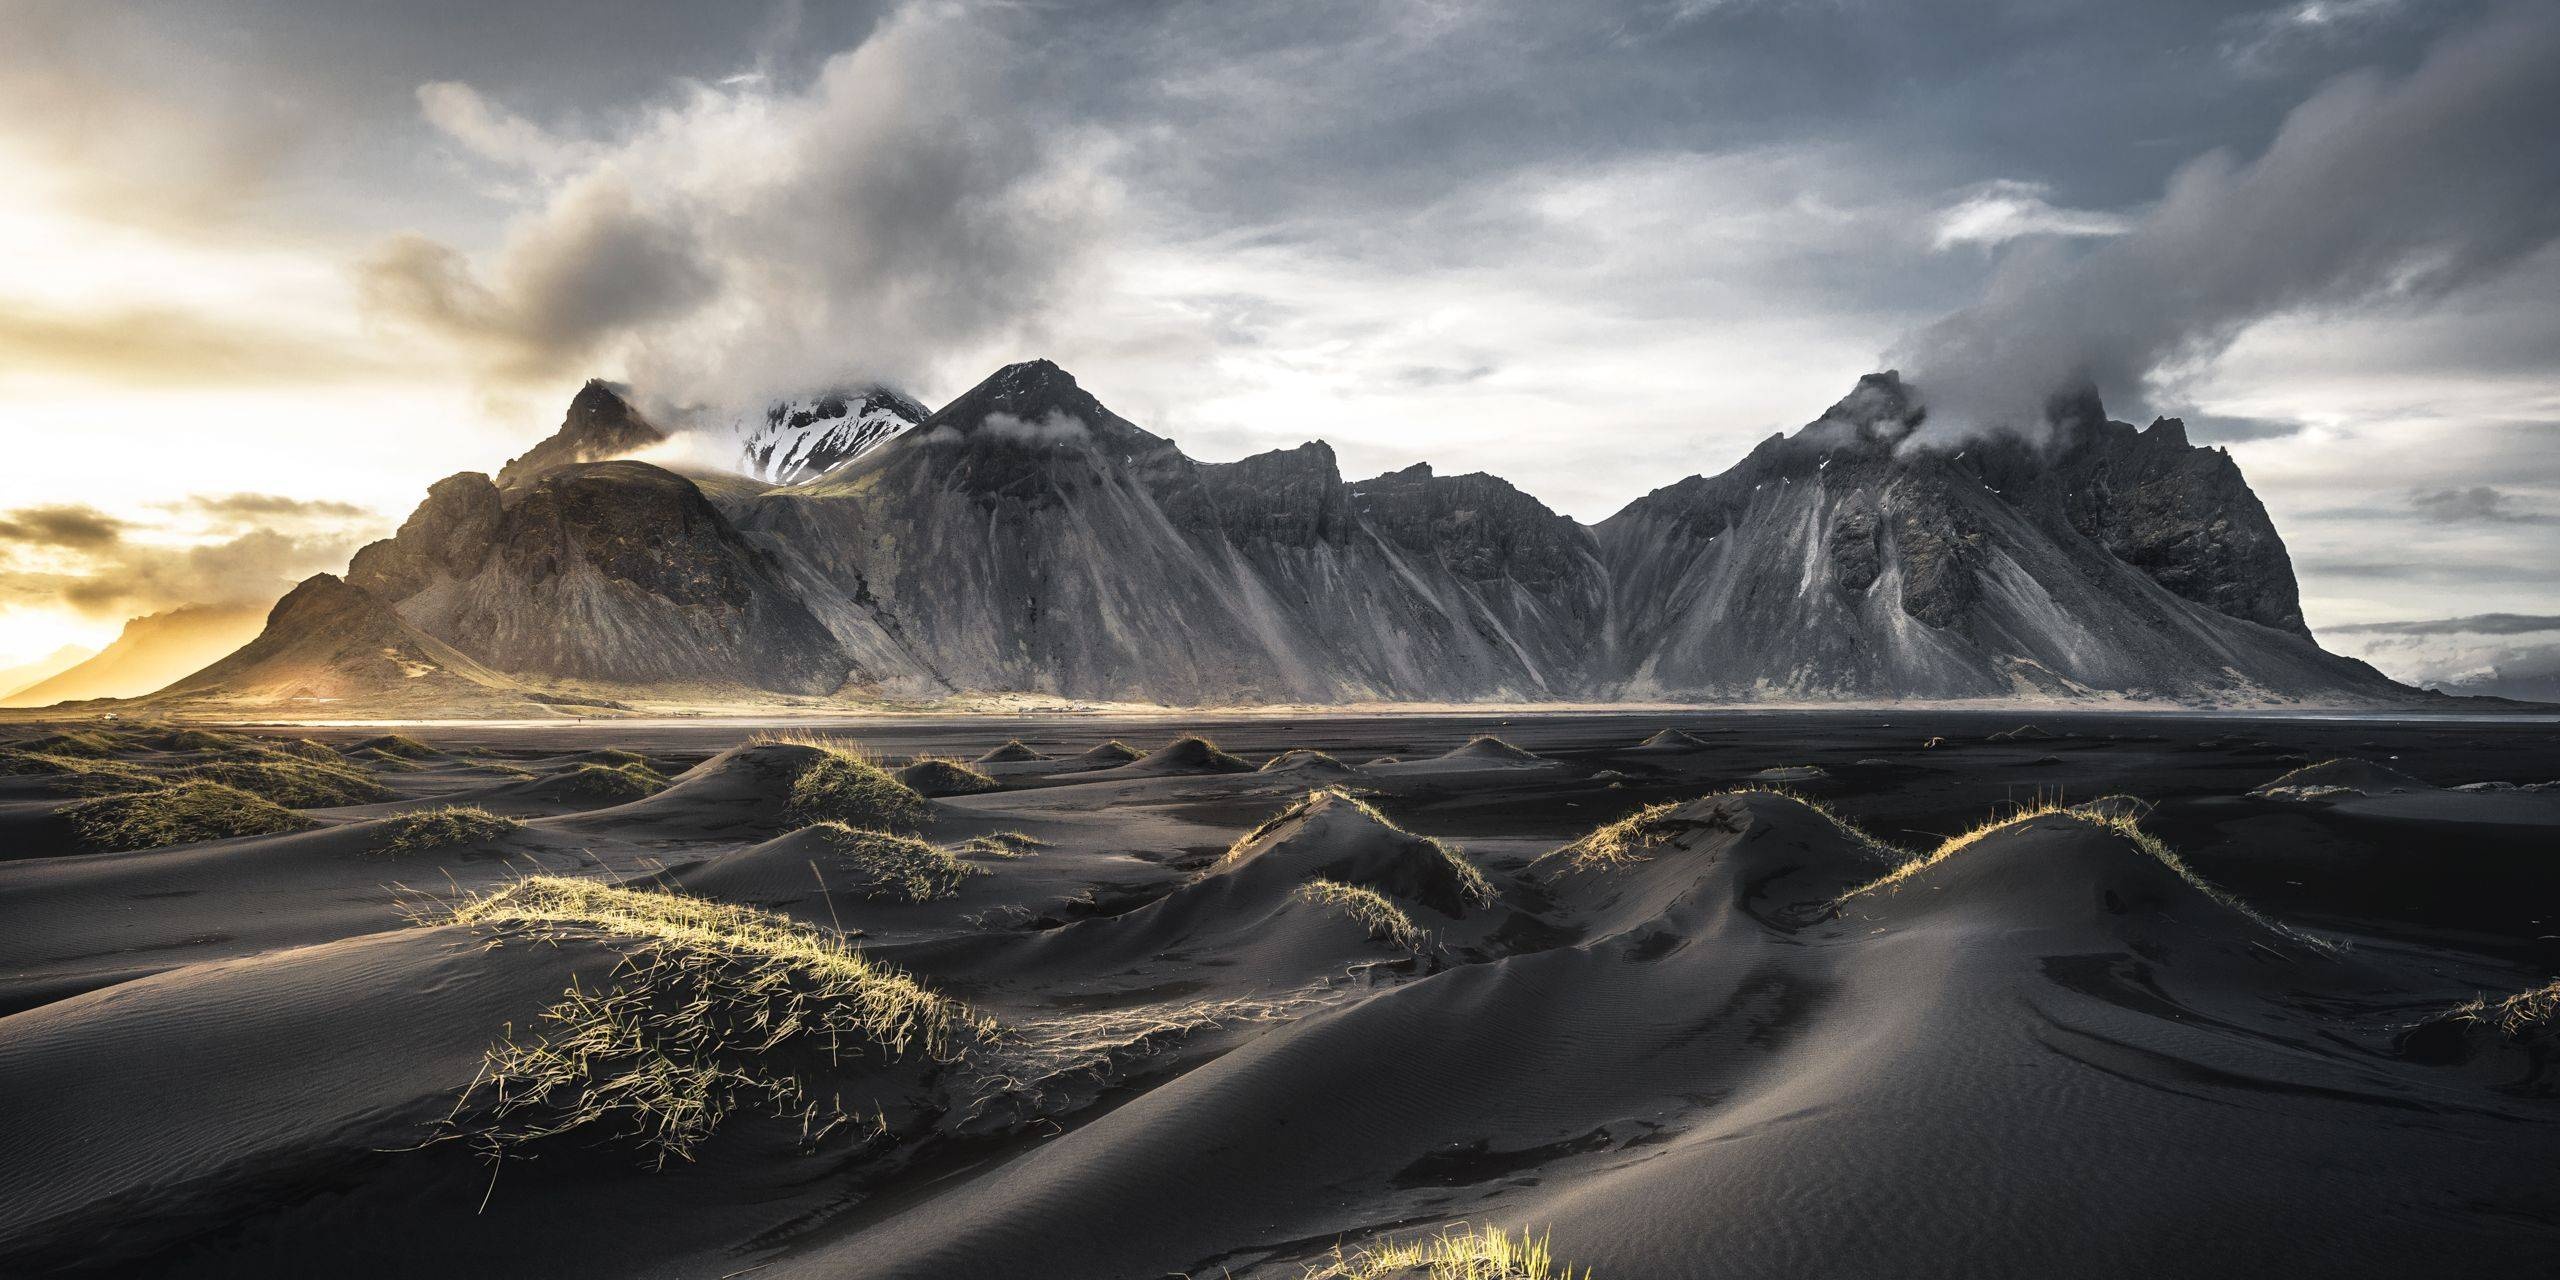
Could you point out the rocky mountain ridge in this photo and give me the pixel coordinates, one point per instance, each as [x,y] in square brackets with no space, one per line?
[1026,538]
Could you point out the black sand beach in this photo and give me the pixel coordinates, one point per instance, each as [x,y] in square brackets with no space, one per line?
[1712,994]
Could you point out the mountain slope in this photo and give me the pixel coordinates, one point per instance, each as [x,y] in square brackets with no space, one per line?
[1837,563]
[601,425]
[1026,538]
[609,571]
[328,641]
[151,651]
[12,679]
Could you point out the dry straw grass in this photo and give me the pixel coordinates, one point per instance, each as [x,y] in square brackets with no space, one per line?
[1473,888]
[625,781]
[1373,910]
[1000,844]
[181,813]
[1629,839]
[846,784]
[1460,1252]
[714,1009]
[2525,1015]
[293,783]
[441,828]
[895,867]
[79,774]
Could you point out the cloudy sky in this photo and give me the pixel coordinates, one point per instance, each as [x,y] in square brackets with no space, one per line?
[273,267]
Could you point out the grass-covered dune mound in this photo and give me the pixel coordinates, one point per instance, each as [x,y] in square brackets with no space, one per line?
[453,826]
[77,775]
[1329,835]
[1188,754]
[873,866]
[1309,761]
[595,783]
[1014,751]
[768,786]
[181,813]
[716,1010]
[397,745]
[1488,749]
[294,783]
[2341,777]
[1108,755]
[933,776]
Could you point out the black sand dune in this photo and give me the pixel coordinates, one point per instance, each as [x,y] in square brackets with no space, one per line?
[2117,1018]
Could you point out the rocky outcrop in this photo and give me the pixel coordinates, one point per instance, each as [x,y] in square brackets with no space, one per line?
[601,425]
[619,572]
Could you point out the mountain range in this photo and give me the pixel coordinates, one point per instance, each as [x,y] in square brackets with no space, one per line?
[1025,538]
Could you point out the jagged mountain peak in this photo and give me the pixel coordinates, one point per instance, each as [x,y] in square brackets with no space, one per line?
[1032,403]
[601,423]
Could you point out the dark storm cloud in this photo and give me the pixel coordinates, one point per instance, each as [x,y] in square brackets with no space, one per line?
[2375,188]
[80,528]
[749,238]
[275,506]
[2476,504]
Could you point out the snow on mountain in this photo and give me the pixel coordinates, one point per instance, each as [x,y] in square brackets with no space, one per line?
[805,438]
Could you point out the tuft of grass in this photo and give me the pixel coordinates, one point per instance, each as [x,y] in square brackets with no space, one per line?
[1373,910]
[1473,888]
[79,775]
[396,744]
[2115,820]
[937,776]
[1000,844]
[1626,841]
[91,743]
[377,758]
[2526,1015]
[610,782]
[295,784]
[898,868]
[1459,1252]
[1303,757]
[1618,843]
[715,1009]
[1013,750]
[189,739]
[443,828]
[306,749]
[842,785]
[180,813]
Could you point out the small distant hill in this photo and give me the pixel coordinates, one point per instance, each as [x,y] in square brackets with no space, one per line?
[152,651]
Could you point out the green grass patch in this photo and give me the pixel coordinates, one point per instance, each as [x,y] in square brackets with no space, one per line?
[715,1010]
[181,813]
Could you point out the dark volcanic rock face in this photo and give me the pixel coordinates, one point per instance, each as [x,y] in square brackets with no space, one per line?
[2184,516]
[601,424]
[329,640]
[1024,537]
[611,571]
